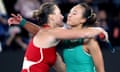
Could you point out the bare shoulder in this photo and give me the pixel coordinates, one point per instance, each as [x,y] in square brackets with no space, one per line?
[92,43]
[55,31]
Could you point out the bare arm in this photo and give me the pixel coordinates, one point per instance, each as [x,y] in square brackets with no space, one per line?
[58,33]
[96,54]
[59,65]
[75,34]
[32,28]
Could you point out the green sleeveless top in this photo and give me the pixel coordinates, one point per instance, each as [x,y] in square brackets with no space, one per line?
[75,58]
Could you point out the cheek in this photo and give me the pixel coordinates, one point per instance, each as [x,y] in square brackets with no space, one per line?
[58,19]
[72,22]
[76,20]
[53,18]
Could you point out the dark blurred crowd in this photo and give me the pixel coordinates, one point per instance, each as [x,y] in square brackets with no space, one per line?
[15,37]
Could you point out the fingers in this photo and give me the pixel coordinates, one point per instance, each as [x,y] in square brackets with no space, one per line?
[106,36]
[19,16]
[13,15]
[10,20]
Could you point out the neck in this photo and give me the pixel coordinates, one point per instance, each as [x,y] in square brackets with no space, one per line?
[77,26]
[52,25]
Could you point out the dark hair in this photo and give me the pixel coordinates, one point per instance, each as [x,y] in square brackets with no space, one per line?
[42,13]
[89,15]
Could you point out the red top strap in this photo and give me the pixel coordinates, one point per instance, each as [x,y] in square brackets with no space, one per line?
[46,25]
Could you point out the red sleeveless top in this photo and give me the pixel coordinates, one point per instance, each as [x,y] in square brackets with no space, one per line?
[38,59]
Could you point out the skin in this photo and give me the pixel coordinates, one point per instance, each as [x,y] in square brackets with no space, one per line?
[55,32]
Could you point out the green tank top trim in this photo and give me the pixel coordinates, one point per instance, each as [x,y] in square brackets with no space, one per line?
[71,43]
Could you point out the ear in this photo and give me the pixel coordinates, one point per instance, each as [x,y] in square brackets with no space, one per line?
[51,17]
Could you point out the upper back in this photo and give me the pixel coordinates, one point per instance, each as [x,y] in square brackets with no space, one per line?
[44,39]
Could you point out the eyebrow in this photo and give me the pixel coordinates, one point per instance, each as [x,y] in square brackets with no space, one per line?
[75,10]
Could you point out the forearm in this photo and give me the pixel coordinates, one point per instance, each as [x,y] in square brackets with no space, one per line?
[75,34]
[32,28]
[59,65]
[60,68]
[100,70]
[91,33]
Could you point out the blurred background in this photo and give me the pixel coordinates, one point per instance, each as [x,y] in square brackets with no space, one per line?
[14,39]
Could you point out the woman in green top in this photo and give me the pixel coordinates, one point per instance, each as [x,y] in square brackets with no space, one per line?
[83,55]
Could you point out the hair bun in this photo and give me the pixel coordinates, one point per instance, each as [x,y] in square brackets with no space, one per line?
[92,18]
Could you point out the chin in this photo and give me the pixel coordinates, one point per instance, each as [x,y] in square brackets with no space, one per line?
[60,25]
[69,23]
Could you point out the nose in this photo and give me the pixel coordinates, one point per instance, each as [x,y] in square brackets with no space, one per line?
[69,15]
